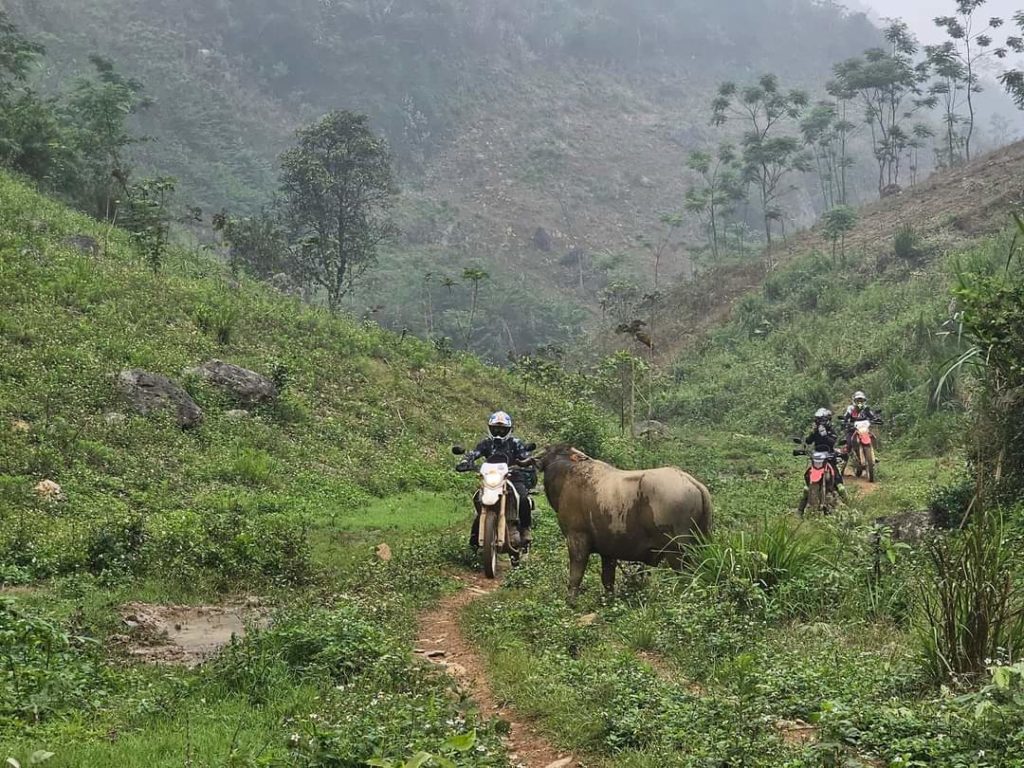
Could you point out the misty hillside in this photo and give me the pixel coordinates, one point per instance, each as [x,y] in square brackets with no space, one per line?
[506,118]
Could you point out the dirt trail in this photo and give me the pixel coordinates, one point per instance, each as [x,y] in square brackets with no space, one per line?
[441,641]
[864,488]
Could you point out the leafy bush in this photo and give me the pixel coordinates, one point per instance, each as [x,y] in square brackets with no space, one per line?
[906,245]
[46,670]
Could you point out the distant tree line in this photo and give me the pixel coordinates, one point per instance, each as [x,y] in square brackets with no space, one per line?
[884,96]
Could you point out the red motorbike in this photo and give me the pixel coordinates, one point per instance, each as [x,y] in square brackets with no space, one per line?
[819,483]
[862,454]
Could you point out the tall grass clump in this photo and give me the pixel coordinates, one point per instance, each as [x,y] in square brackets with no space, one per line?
[972,602]
[774,552]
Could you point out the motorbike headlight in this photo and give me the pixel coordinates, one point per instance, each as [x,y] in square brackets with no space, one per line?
[493,479]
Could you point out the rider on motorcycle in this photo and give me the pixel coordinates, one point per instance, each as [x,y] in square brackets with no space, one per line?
[823,437]
[858,410]
[501,442]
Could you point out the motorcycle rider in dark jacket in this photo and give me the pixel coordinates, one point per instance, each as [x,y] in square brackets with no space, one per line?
[501,443]
[823,437]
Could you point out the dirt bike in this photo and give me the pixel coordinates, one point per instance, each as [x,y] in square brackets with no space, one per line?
[863,454]
[820,493]
[496,534]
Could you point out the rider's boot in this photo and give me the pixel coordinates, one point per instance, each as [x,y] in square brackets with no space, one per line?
[526,537]
[803,504]
[474,533]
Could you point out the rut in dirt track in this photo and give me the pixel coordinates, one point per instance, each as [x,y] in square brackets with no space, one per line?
[441,641]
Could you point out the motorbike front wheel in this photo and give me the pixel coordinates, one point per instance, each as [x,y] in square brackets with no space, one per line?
[814,498]
[489,542]
[869,461]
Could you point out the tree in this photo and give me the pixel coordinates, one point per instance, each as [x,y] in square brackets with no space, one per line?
[32,139]
[17,55]
[949,89]
[146,216]
[257,244]
[97,112]
[720,188]
[837,223]
[826,134]
[890,86]
[968,47]
[475,276]
[768,154]
[1013,80]
[842,129]
[338,187]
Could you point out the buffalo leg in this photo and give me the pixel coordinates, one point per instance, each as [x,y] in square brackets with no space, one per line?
[608,574]
[579,555]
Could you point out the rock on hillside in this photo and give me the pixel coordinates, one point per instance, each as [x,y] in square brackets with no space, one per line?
[149,392]
[247,387]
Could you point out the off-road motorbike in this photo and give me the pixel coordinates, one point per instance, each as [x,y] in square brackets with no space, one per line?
[496,529]
[862,454]
[820,492]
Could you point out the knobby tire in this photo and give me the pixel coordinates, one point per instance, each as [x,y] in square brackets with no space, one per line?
[489,550]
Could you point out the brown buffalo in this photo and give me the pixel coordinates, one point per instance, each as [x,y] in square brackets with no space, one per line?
[645,516]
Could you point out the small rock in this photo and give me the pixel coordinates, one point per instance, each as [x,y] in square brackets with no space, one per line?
[131,624]
[83,244]
[586,621]
[20,426]
[47,490]
[542,240]
[563,763]
[383,552]
[236,414]
[436,654]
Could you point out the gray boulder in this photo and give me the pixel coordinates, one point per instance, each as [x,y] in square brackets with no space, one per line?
[148,392]
[83,244]
[247,387]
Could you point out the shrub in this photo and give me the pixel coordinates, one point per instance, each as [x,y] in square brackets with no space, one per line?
[46,670]
[973,606]
[906,245]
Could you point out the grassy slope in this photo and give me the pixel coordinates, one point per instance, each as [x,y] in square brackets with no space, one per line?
[770,350]
[283,504]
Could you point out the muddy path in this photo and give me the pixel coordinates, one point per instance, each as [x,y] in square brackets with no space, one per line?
[441,641]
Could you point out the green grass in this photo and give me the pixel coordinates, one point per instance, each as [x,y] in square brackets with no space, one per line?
[286,504]
[414,511]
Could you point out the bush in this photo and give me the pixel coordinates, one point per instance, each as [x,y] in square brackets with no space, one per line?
[46,670]
[906,245]
[973,606]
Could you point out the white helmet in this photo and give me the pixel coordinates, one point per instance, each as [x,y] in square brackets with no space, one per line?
[858,395]
[822,415]
[499,424]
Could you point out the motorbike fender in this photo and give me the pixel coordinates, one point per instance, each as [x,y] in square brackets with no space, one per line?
[864,439]
[817,475]
[490,496]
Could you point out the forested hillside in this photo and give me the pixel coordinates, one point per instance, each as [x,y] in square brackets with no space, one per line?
[539,141]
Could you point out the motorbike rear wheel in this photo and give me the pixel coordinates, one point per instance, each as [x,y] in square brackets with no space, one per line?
[489,542]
